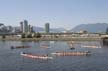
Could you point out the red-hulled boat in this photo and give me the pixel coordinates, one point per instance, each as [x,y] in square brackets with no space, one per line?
[72,53]
[36,56]
[17,47]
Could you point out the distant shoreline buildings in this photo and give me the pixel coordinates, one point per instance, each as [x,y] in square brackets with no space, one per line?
[23,27]
[27,28]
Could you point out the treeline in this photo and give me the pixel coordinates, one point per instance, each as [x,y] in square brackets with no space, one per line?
[34,35]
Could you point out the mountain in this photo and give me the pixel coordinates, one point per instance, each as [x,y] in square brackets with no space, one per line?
[54,30]
[38,29]
[96,27]
[57,30]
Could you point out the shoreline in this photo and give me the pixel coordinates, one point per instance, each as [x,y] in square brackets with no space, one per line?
[54,39]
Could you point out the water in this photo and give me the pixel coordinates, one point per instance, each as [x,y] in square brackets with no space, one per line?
[11,60]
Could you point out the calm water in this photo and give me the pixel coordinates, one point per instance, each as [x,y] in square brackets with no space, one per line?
[11,60]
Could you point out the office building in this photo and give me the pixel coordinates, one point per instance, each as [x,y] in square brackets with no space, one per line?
[21,27]
[30,28]
[47,28]
[25,26]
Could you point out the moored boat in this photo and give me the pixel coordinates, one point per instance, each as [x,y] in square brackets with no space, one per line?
[72,53]
[90,46]
[72,48]
[36,56]
[44,46]
[17,47]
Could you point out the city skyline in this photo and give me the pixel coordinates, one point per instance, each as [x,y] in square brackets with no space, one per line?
[59,13]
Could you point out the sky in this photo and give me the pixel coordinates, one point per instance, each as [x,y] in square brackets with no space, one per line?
[59,13]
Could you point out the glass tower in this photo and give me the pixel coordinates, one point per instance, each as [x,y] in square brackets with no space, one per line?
[25,26]
[47,28]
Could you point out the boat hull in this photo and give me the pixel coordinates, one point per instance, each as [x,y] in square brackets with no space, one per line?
[71,53]
[36,56]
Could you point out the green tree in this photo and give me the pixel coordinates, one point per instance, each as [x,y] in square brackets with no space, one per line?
[23,35]
[37,35]
[34,35]
[3,36]
[29,36]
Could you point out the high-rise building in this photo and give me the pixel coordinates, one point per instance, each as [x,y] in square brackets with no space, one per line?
[30,28]
[107,30]
[25,26]
[21,26]
[47,28]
